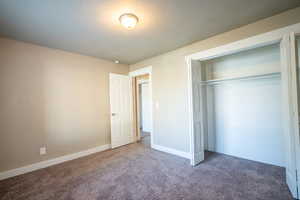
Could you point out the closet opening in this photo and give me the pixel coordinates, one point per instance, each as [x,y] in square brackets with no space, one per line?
[243,107]
[243,103]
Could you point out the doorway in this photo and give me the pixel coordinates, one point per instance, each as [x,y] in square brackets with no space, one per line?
[131,107]
[142,105]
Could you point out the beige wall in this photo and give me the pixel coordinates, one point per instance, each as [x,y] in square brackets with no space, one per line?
[51,98]
[169,79]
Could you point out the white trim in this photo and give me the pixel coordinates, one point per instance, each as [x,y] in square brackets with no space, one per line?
[55,161]
[139,72]
[172,151]
[264,39]
[142,71]
[190,108]
[295,96]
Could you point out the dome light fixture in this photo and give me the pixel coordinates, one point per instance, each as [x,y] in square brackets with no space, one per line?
[128,20]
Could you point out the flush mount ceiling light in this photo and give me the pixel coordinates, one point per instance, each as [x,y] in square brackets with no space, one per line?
[128,20]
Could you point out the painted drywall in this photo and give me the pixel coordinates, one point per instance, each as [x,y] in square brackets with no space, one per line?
[257,61]
[247,114]
[51,98]
[248,120]
[170,85]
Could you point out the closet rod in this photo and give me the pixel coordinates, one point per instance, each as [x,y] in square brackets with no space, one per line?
[251,77]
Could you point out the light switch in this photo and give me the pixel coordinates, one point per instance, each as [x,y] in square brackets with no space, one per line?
[43,151]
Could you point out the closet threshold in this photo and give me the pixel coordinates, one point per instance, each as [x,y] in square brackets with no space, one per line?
[241,78]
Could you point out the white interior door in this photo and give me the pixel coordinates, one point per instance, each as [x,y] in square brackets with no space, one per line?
[146,112]
[199,111]
[290,112]
[120,106]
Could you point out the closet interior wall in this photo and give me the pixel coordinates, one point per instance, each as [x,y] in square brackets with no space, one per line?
[244,108]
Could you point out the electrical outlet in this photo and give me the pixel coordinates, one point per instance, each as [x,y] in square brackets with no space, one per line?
[43,151]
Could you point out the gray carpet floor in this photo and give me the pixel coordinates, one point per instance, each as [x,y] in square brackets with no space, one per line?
[137,172]
[145,139]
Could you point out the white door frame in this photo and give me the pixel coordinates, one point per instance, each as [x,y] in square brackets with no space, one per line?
[294,63]
[139,82]
[139,72]
[261,40]
[242,45]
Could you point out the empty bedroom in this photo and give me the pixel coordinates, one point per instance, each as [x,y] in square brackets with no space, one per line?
[149,100]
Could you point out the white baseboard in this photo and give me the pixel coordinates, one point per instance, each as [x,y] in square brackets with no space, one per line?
[47,163]
[172,151]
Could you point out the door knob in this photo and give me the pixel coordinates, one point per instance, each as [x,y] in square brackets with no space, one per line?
[113,114]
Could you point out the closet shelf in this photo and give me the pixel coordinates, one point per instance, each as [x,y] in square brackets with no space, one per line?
[256,76]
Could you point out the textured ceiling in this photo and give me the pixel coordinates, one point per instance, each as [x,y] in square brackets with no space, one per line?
[91,27]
